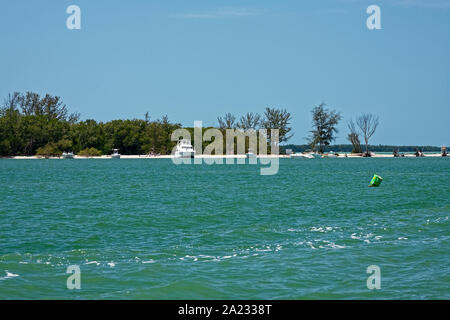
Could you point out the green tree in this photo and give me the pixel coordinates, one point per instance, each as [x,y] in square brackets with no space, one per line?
[49,106]
[87,134]
[50,149]
[30,122]
[324,127]
[228,121]
[249,121]
[353,137]
[10,132]
[90,152]
[278,119]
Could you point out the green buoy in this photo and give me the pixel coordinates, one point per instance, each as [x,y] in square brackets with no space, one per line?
[376,181]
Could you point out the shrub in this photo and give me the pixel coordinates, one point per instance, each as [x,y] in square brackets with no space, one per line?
[50,149]
[65,144]
[90,152]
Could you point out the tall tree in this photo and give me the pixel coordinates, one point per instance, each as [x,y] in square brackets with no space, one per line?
[278,119]
[249,121]
[324,127]
[228,121]
[29,123]
[11,103]
[353,137]
[50,106]
[368,124]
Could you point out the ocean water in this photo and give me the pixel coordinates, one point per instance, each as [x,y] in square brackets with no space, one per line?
[148,229]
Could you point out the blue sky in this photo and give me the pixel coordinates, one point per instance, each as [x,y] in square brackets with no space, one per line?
[195,60]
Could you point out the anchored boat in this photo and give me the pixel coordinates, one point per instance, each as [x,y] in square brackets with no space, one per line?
[250,154]
[184,149]
[116,154]
[67,155]
[302,155]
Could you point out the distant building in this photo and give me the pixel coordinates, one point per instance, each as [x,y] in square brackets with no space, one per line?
[288,151]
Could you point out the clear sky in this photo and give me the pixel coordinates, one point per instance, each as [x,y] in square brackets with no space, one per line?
[195,60]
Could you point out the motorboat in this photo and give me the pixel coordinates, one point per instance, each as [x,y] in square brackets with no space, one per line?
[67,155]
[302,155]
[184,149]
[116,154]
[250,154]
[331,154]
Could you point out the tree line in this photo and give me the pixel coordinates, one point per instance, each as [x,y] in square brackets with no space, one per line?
[349,147]
[324,127]
[31,124]
[272,118]
[35,125]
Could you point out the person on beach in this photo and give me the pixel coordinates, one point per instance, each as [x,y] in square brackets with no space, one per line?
[419,153]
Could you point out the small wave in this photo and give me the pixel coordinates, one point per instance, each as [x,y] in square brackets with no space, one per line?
[321,229]
[365,237]
[329,244]
[9,275]
[320,244]
[149,261]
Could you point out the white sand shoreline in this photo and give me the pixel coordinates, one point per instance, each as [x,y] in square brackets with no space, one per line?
[341,156]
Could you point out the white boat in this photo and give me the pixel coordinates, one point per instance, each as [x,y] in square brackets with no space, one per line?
[302,155]
[116,154]
[250,154]
[184,149]
[329,155]
[67,155]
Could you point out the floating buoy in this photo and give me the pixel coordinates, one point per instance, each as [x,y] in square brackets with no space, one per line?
[376,181]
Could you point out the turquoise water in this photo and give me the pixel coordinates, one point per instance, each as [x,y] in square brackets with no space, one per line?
[148,229]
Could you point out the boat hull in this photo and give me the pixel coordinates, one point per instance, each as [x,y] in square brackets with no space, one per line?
[304,156]
[184,154]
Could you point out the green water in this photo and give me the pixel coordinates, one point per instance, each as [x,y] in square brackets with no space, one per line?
[148,229]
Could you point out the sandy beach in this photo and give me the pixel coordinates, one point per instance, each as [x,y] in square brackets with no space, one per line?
[341,156]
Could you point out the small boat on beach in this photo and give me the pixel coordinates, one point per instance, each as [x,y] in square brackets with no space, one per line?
[330,155]
[250,154]
[302,155]
[116,154]
[184,149]
[67,155]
